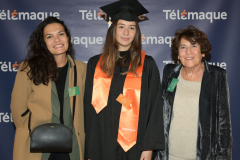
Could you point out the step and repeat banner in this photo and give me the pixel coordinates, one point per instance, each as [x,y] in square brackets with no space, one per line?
[219,19]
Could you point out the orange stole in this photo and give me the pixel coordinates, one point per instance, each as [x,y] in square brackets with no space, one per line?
[101,87]
[128,122]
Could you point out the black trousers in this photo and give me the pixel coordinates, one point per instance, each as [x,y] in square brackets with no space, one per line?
[59,156]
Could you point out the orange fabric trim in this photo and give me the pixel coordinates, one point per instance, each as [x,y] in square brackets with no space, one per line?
[101,87]
[128,122]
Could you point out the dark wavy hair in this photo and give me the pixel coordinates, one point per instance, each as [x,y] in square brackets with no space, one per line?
[193,35]
[41,63]
[111,54]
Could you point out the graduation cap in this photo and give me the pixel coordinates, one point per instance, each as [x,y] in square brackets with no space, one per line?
[127,10]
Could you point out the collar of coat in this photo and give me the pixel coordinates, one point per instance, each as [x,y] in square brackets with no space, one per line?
[72,63]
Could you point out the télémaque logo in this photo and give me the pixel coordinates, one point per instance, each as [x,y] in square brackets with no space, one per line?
[98,15]
[92,15]
[184,15]
[86,41]
[14,15]
[9,66]
[219,64]
[5,117]
[157,40]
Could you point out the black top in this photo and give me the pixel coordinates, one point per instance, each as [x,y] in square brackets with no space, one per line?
[60,85]
[123,53]
[102,129]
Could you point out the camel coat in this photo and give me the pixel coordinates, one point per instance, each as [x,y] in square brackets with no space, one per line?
[37,98]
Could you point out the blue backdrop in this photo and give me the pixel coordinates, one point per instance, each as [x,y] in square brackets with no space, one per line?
[219,19]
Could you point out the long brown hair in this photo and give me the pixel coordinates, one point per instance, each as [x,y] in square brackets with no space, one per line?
[111,54]
[41,62]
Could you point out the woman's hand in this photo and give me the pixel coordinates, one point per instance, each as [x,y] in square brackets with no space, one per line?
[146,155]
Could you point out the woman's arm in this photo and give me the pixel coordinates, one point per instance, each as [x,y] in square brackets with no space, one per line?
[91,139]
[20,94]
[224,120]
[154,137]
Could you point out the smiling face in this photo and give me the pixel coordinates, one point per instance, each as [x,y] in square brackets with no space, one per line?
[56,39]
[190,54]
[125,34]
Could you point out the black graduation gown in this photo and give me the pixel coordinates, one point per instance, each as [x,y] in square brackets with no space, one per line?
[102,129]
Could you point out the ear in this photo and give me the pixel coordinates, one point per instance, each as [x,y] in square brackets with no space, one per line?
[178,57]
[203,55]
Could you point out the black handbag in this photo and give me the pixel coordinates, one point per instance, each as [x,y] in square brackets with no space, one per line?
[52,137]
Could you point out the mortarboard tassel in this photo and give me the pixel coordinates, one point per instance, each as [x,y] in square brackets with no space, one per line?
[109,22]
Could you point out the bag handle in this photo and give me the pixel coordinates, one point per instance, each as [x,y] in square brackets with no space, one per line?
[75,84]
[74,101]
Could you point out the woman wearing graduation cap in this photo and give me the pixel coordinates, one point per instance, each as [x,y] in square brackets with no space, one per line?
[123,116]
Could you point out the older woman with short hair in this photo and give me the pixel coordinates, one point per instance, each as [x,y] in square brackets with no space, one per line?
[196,102]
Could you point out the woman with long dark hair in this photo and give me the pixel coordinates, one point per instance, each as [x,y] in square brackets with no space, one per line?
[121,106]
[41,90]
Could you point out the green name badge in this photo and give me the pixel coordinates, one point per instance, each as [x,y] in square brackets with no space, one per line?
[172,85]
[73,91]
